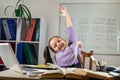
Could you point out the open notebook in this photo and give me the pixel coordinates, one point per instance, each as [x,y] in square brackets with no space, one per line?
[9,59]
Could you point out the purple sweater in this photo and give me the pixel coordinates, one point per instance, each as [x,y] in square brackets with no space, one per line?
[69,55]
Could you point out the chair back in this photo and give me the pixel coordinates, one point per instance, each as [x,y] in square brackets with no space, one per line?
[86,55]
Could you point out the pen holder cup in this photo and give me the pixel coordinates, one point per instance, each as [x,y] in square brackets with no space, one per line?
[101,68]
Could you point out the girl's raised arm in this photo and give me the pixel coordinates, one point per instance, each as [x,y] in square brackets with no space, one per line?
[64,12]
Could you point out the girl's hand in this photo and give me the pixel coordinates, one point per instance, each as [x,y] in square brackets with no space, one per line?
[79,43]
[63,11]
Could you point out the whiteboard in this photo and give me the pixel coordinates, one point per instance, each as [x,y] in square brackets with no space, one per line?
[97,25]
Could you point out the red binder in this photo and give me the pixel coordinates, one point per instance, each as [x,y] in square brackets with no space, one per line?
[31,30]
[1,62]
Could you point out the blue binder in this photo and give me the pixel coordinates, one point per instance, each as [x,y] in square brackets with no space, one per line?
[20,53]
[12,28]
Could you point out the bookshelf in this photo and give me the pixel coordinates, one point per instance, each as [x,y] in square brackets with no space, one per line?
[27,41]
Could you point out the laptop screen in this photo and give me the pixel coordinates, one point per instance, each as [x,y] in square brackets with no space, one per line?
[8,57]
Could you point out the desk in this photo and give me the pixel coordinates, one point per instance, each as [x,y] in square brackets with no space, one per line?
[96,75]
[12,75]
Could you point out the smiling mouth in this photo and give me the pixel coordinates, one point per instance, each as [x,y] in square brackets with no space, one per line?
[61,45]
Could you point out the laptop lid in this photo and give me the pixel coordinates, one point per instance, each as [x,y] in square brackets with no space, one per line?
[8,57]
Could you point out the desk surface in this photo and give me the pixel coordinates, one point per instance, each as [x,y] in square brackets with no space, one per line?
[12,75]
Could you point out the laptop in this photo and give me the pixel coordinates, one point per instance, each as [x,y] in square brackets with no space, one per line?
[10,61]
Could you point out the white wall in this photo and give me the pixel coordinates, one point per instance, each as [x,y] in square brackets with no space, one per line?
[49,10]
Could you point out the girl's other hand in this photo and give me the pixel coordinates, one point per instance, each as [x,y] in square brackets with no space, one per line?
[79,43]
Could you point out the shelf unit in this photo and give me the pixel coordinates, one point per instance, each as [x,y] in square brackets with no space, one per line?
[27,51]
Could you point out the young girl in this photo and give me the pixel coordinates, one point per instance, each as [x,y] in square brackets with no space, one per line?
[65,56]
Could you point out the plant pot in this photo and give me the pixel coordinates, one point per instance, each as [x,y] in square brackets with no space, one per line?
[18,13]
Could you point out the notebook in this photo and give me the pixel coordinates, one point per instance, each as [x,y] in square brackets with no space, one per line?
[10,61]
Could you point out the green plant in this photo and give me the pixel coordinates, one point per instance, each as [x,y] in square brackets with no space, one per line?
[23,11]
[20,10]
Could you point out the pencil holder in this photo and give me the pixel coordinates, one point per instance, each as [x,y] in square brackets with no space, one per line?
[101,68]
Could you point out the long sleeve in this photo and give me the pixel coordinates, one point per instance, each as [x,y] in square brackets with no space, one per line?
[68,56]
[72,37]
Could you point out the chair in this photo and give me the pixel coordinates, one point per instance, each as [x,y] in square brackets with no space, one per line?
[87,55]
[84,56]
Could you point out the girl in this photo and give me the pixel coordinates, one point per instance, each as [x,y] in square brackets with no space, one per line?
[65,56]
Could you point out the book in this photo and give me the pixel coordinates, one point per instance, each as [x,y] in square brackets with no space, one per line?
[68,73]
[6,29]
[2,32]
[95,74]
[19,28]
[20,53]
[37,31]
[12,28]
[0,29]
[24,29]
[1,62]
[30,53]
[75,73]
[34,53]
[31,30]
[39,66]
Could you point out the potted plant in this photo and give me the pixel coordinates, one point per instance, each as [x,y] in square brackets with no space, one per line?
[21,10]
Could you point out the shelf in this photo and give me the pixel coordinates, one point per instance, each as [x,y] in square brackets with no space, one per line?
[28,42]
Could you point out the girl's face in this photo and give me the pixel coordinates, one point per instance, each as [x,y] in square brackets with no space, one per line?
[58,44]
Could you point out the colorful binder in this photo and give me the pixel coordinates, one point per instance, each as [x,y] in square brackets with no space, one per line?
[6,29]
[20,53]
[12,28]
[36,33]
[31,30]
[30,53]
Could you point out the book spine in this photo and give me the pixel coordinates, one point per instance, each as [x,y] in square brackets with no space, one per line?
[29,53]
[6,29]
[12,28]
[19,27]
[37,31]
[3,37]
[20,53]
[24,29]
[0,29]
[31,30]
[34,54]
[1,62]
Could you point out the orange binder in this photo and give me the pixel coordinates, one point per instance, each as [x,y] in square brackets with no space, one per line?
[31,30]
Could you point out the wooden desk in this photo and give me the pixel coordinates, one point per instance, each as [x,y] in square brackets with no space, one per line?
[100,75]
[12,75]
[95,75]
